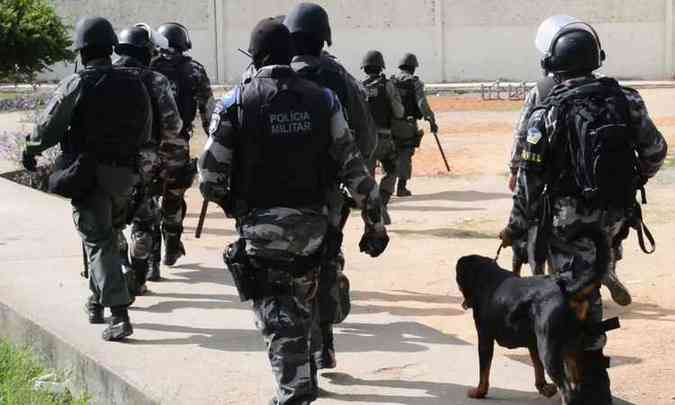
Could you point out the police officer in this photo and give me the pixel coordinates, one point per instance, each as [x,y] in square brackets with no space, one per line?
[385,105]
[573,53]
[270,168]
[136,48]
[407,135]
[101,114]
[192,92]
[535,97]
[310,31]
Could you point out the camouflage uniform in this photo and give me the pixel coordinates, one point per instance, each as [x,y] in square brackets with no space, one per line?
[353,98]
[156,154]
[178,148]
[386,149]
[278,238]
[532,100]
[406,149]
[100,217]
[569,213]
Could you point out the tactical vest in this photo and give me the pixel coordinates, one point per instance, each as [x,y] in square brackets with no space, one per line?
[147,76]
[283,126]
[326,75]
[112,116]
[406,87]
[378,100]
[544,87]
[179,72]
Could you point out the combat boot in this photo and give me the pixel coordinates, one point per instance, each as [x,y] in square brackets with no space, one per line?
[386,196]
[595,385]
[140,269]
[154,270]
[120,326]
[94,311]
[174,251]
[327,360]
[619,292]
[156,257]
[401,190]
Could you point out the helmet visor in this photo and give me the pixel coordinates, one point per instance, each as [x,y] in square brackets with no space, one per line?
[157,39]
[550,28]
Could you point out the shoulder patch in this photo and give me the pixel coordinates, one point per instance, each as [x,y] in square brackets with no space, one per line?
[534,135]
[231,98]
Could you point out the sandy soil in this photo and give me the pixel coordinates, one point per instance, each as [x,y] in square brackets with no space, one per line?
[457,214]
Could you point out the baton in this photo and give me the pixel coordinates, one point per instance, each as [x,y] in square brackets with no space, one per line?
[202,217]
[440,148]
[85,262]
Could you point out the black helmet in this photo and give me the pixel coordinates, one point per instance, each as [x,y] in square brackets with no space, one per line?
[138,37]
[574,50]
[94,32]
[373,58]
[270,38]
[177,34]
[309,18]
[409,60]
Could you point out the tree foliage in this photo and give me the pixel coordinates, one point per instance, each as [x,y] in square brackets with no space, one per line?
[32,38]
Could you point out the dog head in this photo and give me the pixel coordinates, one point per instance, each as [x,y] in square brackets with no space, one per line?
[468,272]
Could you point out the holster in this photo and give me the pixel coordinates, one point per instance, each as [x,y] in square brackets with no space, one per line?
[243,274]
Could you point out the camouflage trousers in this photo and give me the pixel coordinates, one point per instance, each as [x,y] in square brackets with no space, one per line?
[387,155]
[173,209]
[144,225]
[285,323]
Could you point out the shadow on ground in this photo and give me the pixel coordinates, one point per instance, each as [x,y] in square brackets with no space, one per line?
[360,305]
[450,233]
[430,393]
[639,310]
[462,196]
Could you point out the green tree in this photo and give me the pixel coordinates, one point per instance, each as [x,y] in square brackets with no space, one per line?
[32,38]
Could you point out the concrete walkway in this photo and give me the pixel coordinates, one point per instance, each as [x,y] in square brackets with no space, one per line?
[194,343]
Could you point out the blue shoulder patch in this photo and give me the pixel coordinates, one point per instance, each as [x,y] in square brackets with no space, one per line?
[331,97]
[231,98]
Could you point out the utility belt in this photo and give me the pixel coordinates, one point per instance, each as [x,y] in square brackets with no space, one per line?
[257,278]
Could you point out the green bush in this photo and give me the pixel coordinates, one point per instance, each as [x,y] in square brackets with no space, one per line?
[32,38]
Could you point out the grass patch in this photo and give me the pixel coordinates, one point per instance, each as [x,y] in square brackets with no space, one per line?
[18,371]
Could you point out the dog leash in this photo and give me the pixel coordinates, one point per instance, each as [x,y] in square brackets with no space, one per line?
[499,251]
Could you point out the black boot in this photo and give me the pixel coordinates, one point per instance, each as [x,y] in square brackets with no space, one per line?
[595,386]
[94,311]
[327,348]
[401,190]
[120,326]
[386,196]
[173,245]
[140,269]
[156,257]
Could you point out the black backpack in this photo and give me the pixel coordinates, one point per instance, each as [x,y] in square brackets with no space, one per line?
[179,73]
[378,100]
[594,128]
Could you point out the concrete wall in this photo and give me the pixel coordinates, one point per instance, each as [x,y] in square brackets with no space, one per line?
[455,40]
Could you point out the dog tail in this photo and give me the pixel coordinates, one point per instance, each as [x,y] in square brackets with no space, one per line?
[582,284]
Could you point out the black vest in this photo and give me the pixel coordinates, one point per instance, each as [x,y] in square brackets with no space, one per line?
[179,71]
[406,88]
[327,74]
[147,76]
[112,115]
[378,100]
[283,126]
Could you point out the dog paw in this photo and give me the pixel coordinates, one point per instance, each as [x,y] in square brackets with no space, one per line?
[547,390]
[476,393]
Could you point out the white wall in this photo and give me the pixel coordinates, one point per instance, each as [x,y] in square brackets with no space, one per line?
[455,40]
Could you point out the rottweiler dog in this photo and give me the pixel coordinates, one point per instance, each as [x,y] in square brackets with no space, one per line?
[546,314]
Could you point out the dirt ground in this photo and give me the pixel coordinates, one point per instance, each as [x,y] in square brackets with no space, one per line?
[460,213]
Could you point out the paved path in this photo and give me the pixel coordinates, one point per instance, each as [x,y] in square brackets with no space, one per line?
[194,343]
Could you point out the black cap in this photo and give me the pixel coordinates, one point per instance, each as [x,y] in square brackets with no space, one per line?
[94,32]
[309,18]
[270,38]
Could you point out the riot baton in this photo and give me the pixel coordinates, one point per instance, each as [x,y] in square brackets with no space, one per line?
[202,217]
[85,262]
[440,148]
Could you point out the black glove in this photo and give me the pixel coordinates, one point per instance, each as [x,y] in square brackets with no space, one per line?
[28,161]
[433,126]
[374,242]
